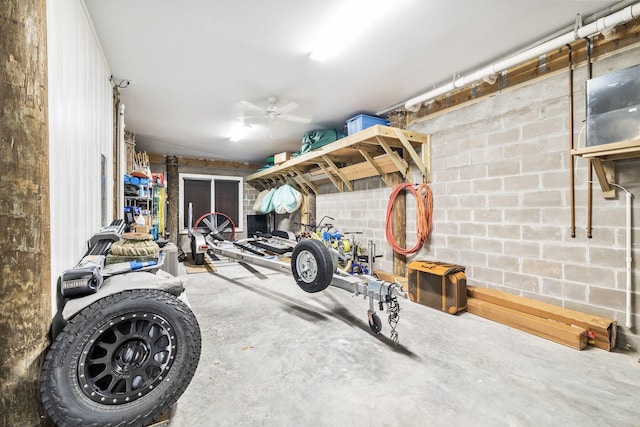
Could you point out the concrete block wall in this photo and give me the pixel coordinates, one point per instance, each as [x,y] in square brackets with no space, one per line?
[502,201]
[361,211]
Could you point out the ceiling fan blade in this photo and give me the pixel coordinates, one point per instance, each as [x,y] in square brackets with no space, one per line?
[297,119]
[287,108]
[252,107]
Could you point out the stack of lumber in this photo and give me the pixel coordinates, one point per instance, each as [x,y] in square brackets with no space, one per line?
[564,326]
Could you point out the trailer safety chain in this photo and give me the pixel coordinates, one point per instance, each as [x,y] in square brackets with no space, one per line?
[393,309]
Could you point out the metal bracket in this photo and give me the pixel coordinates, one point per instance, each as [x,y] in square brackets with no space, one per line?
[542,63]
[578,22]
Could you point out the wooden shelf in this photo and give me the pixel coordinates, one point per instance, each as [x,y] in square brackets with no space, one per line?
[602,157]
[375,151]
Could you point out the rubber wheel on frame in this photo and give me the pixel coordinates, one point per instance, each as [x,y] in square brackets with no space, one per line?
[375,324]
[312,266]
[199,259]
[123,360]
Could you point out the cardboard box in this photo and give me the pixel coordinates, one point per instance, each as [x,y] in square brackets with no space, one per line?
[144,229]
[281,157]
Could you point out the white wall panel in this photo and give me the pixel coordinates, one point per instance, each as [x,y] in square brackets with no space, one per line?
[80,132]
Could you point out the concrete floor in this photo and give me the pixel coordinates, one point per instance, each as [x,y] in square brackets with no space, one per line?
[273,355]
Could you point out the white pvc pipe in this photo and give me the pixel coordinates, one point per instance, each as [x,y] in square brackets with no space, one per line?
[629,257]
[589,30]
[121,161]
[629,262]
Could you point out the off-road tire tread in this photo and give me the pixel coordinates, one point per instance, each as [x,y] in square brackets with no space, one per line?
[57,405]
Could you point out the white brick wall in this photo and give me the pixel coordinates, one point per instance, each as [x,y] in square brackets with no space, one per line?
[502,201]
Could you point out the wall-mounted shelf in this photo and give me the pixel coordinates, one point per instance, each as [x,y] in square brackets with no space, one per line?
[602,157]
[375,151]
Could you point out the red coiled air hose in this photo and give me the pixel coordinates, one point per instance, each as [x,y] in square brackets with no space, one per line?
[424,217]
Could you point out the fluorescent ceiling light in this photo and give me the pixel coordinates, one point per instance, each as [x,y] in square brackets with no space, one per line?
[362,16]
[240,131]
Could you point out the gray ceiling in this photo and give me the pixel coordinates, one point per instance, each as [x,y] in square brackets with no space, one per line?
[190,63]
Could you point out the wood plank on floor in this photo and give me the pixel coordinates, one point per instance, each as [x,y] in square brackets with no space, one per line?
[571,336]
[602,331]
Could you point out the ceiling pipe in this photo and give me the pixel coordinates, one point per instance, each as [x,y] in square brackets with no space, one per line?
[589,30]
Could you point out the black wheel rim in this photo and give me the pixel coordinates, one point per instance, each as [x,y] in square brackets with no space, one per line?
[126,358]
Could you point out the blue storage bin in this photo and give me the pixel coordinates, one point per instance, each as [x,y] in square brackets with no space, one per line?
[127,179]
[135,210]
[362,121]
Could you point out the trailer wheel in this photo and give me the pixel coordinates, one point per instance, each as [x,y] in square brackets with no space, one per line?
[124,360]
[375,324]
[312,266]
[198,259]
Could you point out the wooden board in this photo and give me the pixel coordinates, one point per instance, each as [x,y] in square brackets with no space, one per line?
[207,267]
[571,336]
[620,150]
[603,330]
[361,170]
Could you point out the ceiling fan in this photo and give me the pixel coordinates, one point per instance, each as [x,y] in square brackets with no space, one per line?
[274,112]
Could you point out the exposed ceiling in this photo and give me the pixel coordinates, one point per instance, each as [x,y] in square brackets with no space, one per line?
[191,63]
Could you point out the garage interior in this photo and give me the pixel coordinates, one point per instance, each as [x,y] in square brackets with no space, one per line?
[433,221]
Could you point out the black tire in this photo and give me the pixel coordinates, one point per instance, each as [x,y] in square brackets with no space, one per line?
[193,248]
[198,259]
[375,324]
[312,266]
[122,361]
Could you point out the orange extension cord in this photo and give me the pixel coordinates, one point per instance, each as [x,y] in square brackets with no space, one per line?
[424,218]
